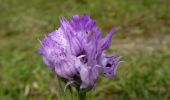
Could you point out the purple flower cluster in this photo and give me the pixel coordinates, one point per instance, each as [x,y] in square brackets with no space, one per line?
[76,52]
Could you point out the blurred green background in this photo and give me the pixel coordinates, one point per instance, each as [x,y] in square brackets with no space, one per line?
[143,36]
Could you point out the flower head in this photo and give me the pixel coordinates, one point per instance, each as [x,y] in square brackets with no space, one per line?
[76,52]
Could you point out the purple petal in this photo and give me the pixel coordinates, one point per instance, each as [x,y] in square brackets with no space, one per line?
[88,76]
[106,42]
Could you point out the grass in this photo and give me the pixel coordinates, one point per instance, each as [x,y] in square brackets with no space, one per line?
[143,36]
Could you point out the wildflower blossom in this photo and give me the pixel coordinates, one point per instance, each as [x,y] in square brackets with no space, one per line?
[76,52]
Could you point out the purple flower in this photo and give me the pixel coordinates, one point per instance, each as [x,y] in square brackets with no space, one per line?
[76,52]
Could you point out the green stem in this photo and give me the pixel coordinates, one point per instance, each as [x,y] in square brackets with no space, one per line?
[82,95]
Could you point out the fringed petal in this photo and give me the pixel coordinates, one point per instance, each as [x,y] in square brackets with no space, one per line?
[106,42]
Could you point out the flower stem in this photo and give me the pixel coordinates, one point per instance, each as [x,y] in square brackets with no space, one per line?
[81,95]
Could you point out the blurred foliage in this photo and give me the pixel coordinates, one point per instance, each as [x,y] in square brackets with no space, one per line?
[143,36]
